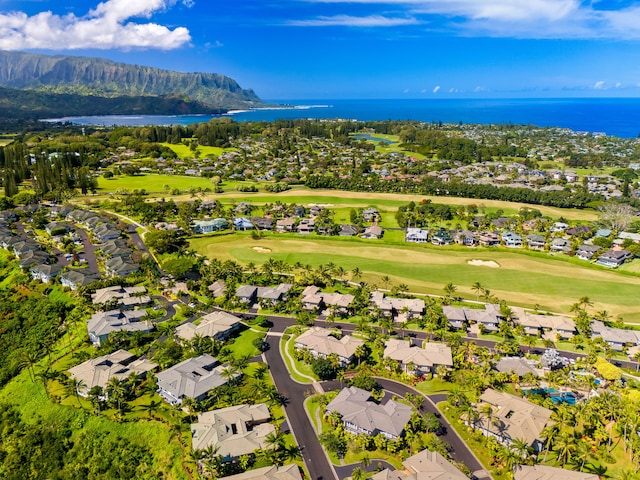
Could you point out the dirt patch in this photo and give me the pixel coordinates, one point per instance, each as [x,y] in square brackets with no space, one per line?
[484,263]
[262,249]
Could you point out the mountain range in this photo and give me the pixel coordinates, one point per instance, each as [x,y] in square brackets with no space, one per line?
[36,84]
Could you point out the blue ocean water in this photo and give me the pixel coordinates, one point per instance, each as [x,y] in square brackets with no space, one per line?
[614,116]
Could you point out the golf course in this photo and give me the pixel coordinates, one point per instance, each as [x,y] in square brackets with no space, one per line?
[519,278]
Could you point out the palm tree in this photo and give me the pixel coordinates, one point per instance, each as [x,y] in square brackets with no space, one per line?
[74,385]
[386,280]
[151,407]
[116,390]
[358,474]
[478,288]
[356,274]
[449,290]
[565,446]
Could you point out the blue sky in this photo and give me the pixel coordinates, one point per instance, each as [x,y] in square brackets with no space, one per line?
[324,49]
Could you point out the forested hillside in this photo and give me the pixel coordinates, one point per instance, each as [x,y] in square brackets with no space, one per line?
[100,77]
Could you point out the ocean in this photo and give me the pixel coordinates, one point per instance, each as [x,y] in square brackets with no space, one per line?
[613,116]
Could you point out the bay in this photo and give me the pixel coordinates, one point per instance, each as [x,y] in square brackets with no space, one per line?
[613,116]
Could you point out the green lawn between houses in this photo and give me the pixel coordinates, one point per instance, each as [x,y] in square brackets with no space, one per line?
[521,279]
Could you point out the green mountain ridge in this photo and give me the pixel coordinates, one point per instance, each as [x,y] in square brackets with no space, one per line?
[30,104]
[62,74]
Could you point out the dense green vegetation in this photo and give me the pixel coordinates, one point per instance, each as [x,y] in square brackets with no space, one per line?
[30,104]
[100,77]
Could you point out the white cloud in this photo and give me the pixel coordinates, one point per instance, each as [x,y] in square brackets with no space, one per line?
[436,89]
[350,21]
[599,85]
[105,27]
[552,19]
[618,85]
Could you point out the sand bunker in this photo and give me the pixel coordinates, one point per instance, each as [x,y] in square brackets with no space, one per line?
[484,263]
[262,249]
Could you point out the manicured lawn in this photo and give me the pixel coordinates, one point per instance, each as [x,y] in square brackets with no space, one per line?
[296,369]
[152,183]
[521,279]
[242,346]
[183,151]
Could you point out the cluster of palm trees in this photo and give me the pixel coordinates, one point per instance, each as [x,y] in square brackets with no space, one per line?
[584,437]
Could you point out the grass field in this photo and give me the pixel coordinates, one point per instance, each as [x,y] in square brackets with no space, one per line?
[388,203]
[152,183]
[184,151]
[522,279]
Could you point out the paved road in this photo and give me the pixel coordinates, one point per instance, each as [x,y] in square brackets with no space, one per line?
[295,394]
[88,248]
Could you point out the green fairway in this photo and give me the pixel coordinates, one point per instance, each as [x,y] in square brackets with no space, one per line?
[152,183]
[521,279]
[158,186]
[183,151]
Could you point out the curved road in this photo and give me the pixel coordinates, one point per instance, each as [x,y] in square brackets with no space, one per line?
[295,394]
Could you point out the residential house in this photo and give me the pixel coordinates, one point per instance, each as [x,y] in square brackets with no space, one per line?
[313,299]
[466,238]
[487,319]
[512,240]
[348,230]
[634,237]
[614,258]
[517,365]
[617,338]
[45,273]
[455,316]
[285,225]
[321,343]
[33,258]
[217,288]
[306,226]
[120,266]
[209,226]
[372,232]
[273,295]
[587,252]
[105,232]
[558,227]
[56,226]
[549,327]
[441,237]
[126,297]
[513,418]
[560,244]
[217,324]
[400,308]
[192,378]
[370,215]
[233,431]
[425,465]
[544,472]
[416,235]
[579,230]
[242,224]
[101,324]
[286,472]
[488,239]
[247,293]
[262,223]
[76,278]
[360,415]
[98,371]
[416,360]
[535,241]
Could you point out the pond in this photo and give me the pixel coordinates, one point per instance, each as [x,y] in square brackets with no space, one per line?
[371,138]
